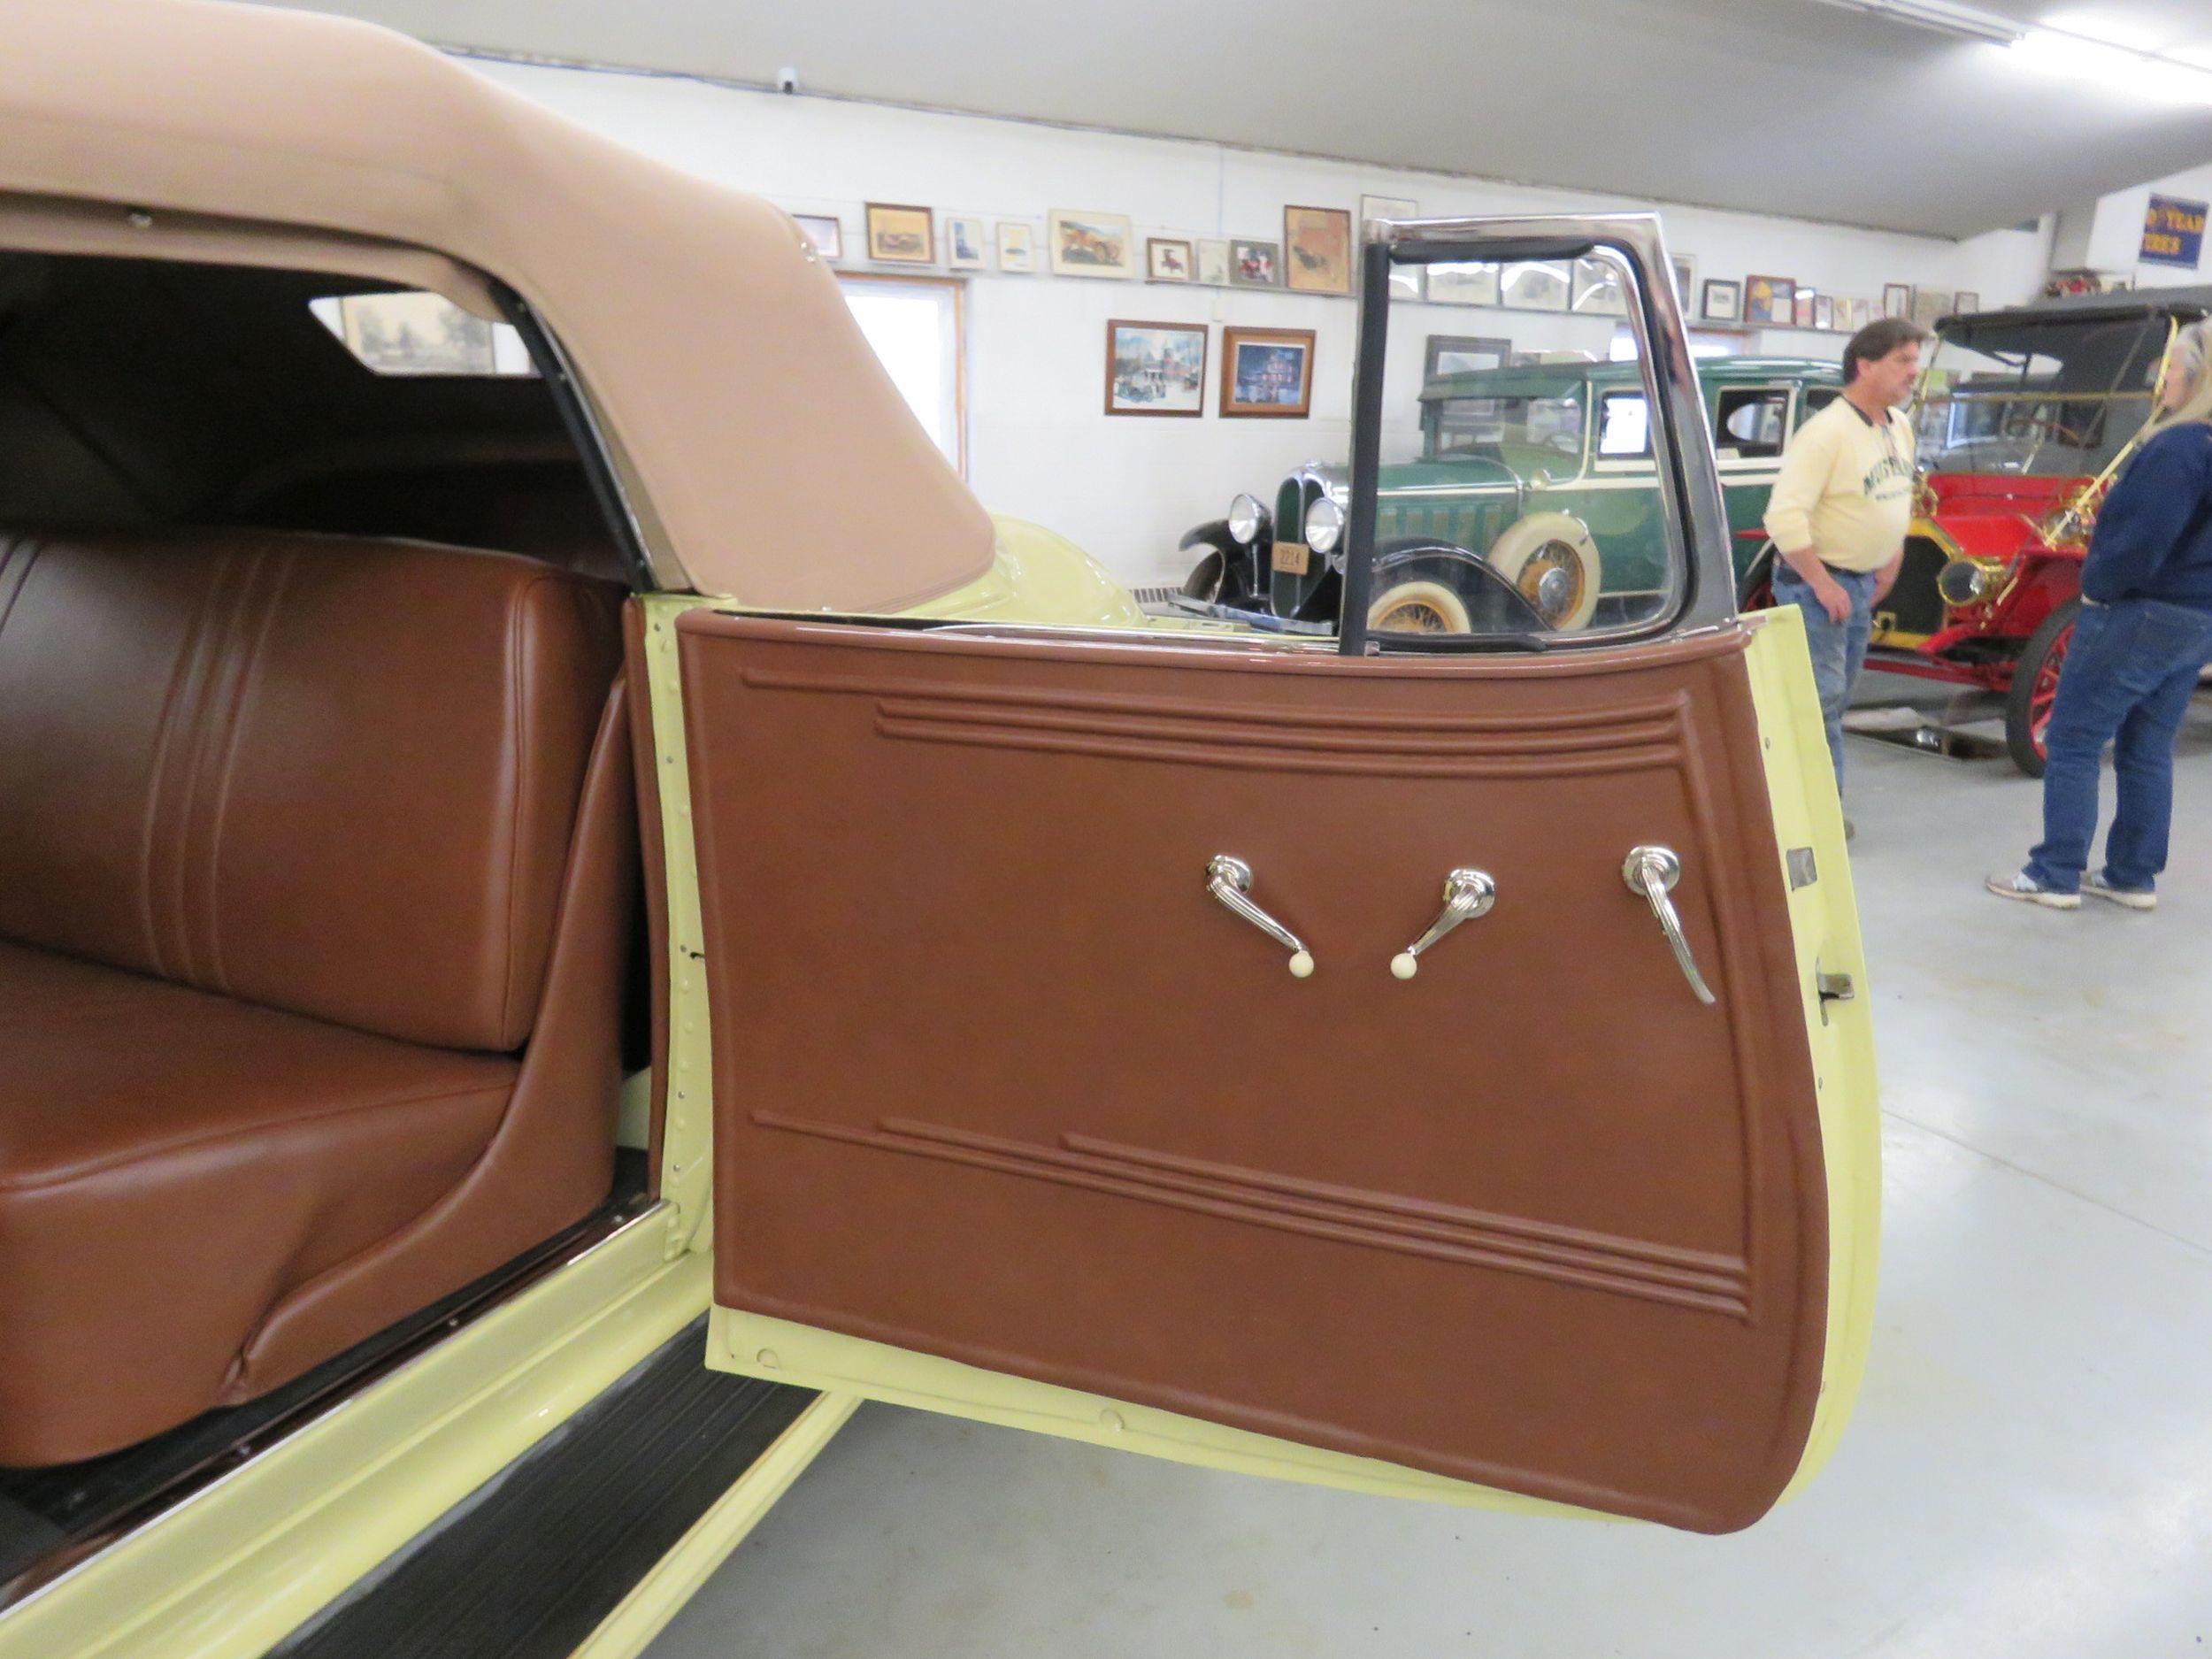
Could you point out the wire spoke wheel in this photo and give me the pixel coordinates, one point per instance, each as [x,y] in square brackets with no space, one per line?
[2034,693]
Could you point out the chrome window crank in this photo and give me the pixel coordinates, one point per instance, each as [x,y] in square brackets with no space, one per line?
[1230,880]
[1653,871]
[1467,894]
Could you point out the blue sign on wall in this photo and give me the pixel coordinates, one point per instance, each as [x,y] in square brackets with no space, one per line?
[2173,232]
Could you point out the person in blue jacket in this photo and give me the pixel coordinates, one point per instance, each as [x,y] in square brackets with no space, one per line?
[2144,635]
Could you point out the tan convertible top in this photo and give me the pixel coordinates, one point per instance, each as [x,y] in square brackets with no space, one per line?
[775,455]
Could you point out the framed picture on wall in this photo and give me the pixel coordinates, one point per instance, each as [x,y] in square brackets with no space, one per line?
[1931,305]
[825,231]
[1016,246]
[1463,282]
[1254,265]
[1167,259]
[1213,264]
[1155,368]
[1267,372]
[1801,307]
[1317,249]
[1722,302]
[1091,244]
[1597,289]
[966,242]
[1897,299]
[901,236]
[1824,311]
[1537,285]
[1769,300]
[1685,283]
[1966,302]
[1463,354]
[1386,207]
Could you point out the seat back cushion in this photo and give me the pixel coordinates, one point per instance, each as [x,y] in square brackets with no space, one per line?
[331,775]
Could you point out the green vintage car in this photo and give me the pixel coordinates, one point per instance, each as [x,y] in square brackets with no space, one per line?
[1542,475]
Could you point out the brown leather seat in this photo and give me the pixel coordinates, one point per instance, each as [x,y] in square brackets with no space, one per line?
[316,857]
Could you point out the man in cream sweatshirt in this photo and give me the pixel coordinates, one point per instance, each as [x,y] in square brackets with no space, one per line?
[1840,508]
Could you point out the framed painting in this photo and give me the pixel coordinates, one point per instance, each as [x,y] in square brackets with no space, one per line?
[1723,301]
[1685,283]
[1931,305]
[1168,259]
[1966,302]
[1537,285]
[825,231]
[1598,289]
[1770,301]
[1213,264]
[1387,207]
[1016,246]
[966,242]
[1804,304]
[1091,244]
[1824,311]
[1155,368]
[1897,299]
[1267,372]
[1317,249]
[1464,354]
[901,236]
[1254,264]
[1463,282]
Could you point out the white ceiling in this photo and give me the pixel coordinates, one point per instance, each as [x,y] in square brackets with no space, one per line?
[1776,106]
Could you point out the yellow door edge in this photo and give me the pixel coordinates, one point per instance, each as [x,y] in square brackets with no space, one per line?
[758,1345]
[1825,920]
[676,1578]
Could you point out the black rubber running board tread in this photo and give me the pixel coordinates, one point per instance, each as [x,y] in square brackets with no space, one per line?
[528,1565]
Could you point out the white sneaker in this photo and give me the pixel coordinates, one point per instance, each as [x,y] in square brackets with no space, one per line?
[2028,890]
[2127,898]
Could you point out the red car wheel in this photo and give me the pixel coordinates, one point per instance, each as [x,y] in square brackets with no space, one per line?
[2035,687]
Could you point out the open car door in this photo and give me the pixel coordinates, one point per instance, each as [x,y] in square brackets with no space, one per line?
[1087,1056]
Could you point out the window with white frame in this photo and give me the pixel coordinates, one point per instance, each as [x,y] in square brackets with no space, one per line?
[915,325]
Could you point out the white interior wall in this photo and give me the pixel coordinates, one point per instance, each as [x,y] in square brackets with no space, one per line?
[2115,236]
[1040,445]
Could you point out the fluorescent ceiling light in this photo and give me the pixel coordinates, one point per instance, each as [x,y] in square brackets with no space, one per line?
[1941,16]
[2070,45]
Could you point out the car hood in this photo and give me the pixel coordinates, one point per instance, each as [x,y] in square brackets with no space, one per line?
[1470,473]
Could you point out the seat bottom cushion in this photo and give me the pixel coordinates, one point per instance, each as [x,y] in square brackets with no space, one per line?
[172,1163]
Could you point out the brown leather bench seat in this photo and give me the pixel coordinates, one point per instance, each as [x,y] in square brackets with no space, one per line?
[316,861]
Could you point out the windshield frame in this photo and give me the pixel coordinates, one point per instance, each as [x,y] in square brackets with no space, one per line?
[2003,394]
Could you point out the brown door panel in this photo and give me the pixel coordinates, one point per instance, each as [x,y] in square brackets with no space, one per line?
[998,1080]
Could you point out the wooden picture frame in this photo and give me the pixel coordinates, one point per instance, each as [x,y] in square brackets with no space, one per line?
[1317,249]
[1897,299]
[1088,244]
[1803,304]
[1769,302]
[1151,370]
[1722,301]
[1824,311]
[901,236]
[1254,264]
[1267,373]
[1170,259]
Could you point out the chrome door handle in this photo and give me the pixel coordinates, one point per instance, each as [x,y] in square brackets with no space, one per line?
[1467,894]
[1653,871]
[1230,880]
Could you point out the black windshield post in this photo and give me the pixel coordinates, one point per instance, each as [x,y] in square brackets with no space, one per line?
[1367,412]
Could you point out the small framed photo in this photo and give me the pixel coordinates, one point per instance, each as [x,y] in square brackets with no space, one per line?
[1464,354]
[1016,246]
[1317,249]
[1168,259]
[1966,302]
[1091,244]
[1770,301]
[901,236]
[1213,264]
[1155,368]
[1929,306]
[1463,282]
[825,231]
[1685,283]
[1824,311]
[966,242]
[1386,207]
[1267,372]
[1722,302]
[1897,299]
[1254,265]
[1537,285]
[1598,291]
[1801,307]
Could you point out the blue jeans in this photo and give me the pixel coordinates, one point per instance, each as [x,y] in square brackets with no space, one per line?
[2127,680]
[1838,649]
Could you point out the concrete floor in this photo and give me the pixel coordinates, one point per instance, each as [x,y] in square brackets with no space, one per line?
[2029,1475]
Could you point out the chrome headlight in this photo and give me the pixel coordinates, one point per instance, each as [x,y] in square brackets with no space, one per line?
[1324,524]
[1244,520]
[1965,581]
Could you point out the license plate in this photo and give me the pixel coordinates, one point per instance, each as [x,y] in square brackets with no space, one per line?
[1293,557]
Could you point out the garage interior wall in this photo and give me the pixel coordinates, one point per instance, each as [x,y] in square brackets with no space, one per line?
[1039,443]
[2107,235]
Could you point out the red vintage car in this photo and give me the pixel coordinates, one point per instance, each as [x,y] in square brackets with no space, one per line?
[2025,416]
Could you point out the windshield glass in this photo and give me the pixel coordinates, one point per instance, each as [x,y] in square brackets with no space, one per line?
[2046,397]
[1497,428]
